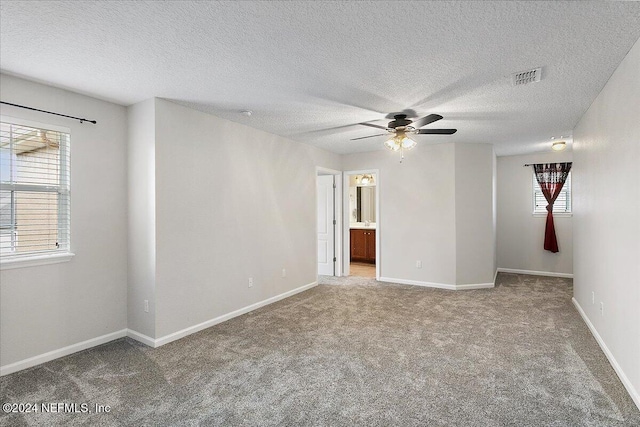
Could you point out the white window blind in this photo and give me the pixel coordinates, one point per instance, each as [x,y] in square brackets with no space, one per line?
[562,203]
[34,190]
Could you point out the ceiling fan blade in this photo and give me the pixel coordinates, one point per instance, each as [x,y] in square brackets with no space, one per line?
[437,131]
[370,136]
[373,126]
[426,120]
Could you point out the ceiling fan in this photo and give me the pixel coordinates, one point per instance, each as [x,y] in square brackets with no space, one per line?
[400,127]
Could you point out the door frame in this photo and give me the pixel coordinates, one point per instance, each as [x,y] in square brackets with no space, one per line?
[337,213]
[346,220]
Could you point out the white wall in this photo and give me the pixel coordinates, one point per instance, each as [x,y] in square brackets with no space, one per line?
[232,202]
[45,308]
[141,277]
[606,200]
[520,233]
[474,204]
[418,212]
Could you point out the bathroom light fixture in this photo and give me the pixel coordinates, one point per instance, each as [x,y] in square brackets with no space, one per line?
[366,180]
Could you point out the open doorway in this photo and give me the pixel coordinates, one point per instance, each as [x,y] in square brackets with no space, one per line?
[361,223]
[329,223]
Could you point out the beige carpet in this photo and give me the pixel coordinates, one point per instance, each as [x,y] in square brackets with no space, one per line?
[361,353]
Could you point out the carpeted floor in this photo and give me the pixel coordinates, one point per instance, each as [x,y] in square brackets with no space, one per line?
[362,353]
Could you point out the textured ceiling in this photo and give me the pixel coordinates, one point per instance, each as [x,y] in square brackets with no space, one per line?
[311,70]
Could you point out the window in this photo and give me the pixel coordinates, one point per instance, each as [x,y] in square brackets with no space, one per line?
[34,190]
[562,203]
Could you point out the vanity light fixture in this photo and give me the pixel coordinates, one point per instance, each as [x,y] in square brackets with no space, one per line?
[366,180]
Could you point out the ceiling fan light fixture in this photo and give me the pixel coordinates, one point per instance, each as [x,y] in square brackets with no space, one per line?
[400,141]
[391,144]
[408,143]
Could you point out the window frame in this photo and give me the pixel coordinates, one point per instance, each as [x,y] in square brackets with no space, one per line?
[64,254]
[535,190]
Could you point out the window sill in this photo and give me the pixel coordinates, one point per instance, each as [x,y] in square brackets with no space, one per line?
[555,215]
[35,260]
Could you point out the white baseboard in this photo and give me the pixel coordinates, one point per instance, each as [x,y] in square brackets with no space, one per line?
[141,338]
[616,367]
[204,325]
[535,273]
[474,286]
[437,285]
[61,352]
[74,348]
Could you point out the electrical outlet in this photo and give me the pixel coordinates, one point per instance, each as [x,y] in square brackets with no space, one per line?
[250,281]
[593,297]
[601,308]
[418,264]
[284,273]
[146,306]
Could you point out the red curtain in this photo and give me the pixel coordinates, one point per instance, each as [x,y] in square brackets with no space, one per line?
[551,178]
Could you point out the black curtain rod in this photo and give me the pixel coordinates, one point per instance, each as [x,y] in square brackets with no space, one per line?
[531,164]
[49,112]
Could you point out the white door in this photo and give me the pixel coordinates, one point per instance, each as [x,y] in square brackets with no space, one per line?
[326,228]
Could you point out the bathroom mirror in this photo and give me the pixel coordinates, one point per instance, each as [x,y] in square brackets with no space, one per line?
[362,201]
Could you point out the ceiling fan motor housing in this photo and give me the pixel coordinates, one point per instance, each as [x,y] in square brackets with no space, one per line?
[400,120]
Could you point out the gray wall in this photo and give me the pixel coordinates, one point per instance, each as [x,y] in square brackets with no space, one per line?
[417,211]
[520,233]
[421,206]
[48,307]
[474,204]
[607,216]
[232,202]
[141,164]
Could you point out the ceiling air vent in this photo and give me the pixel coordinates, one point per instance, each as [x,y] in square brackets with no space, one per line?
[524,77]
